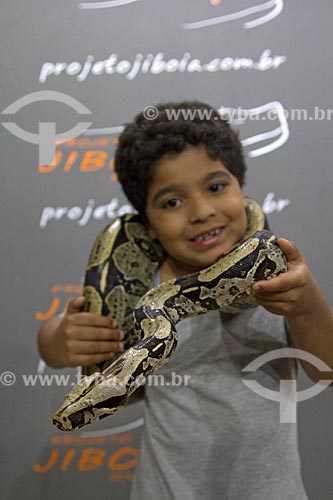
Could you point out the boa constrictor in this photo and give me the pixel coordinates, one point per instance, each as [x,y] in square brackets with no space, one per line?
[121,266]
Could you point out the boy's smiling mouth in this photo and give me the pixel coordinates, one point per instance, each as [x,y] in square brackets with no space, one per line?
[207,237]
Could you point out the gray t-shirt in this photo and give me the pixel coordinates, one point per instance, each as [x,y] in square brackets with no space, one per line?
[214,438]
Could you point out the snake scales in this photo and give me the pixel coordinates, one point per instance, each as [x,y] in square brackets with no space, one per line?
[121,266]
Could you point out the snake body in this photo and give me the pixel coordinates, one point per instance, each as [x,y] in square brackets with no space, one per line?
[118,276]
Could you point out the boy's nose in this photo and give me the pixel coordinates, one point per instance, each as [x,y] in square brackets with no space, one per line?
[201,209]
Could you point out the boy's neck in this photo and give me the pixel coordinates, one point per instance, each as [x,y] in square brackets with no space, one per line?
[170,270]
[166,272]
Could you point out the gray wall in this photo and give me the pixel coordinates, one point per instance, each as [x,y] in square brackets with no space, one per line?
[279,54]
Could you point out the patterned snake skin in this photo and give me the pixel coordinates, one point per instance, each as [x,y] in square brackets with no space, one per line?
[121,266]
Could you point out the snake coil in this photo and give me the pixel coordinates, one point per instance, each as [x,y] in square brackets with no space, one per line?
[119,273]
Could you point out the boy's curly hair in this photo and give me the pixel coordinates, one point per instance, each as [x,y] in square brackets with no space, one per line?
[177,126]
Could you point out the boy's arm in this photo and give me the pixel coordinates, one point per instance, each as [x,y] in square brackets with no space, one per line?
[78,338]
[297,296]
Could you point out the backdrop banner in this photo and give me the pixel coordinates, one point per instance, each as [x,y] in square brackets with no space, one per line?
[72,74]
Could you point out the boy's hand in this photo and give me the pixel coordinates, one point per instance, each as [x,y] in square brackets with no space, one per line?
[83,338]
[290,293]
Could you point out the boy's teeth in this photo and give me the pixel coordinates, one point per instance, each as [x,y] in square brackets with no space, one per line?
[206,236]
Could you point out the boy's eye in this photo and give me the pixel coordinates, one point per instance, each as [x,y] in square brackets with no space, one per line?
[218,186]
[174,202]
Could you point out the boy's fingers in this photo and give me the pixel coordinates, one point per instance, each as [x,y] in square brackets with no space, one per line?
[87,333]
[75,305]
[279,284]
[290,250]
[89,319]
[293,278]
[100,347]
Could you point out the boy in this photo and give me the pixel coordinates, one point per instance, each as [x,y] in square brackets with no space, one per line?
[213,438]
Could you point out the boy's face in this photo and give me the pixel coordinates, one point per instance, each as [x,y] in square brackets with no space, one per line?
[196,209]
